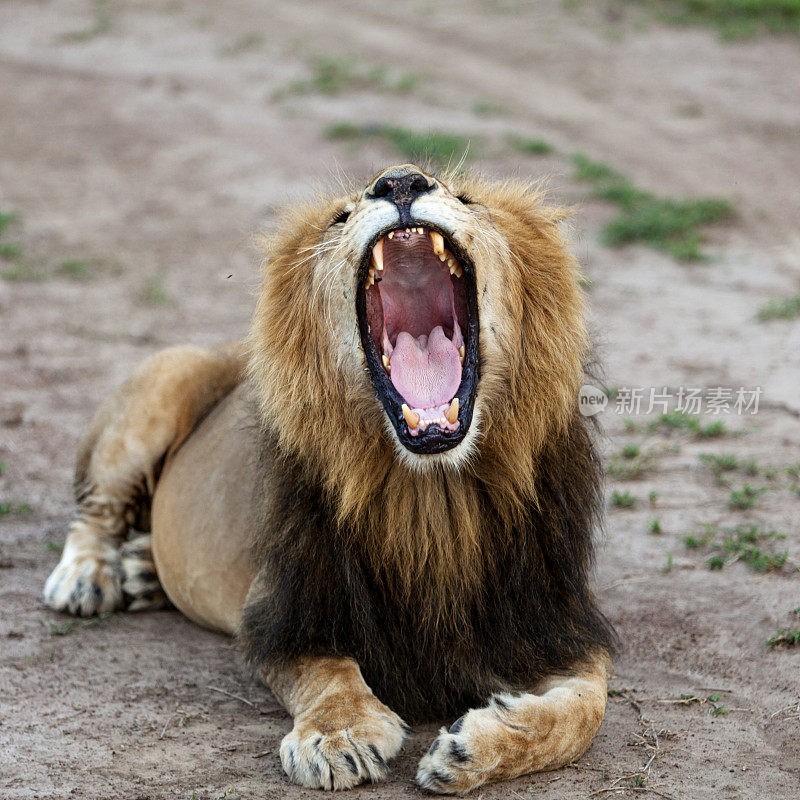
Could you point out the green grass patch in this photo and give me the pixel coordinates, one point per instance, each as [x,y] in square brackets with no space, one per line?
[102,14]
[8,508]
[528,145]
[780,308]
[6,218]
[666,224]
[725,463]
[654,526]
[65,628]
[746,543]
[488,108]
[680,420]
[744,498]
[75,269]
[436,146]
[153,292]
[629,463]
[332,75]
[734,19]
[785,637]
[623,499]
[9,251]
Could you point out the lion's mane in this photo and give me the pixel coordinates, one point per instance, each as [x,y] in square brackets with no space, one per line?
[448,583]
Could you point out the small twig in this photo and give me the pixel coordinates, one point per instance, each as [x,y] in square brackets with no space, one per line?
[262,754]
[230,694]
[166,724]
[625,582]
[794,707]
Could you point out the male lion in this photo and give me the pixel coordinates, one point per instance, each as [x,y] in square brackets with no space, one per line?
[387,492]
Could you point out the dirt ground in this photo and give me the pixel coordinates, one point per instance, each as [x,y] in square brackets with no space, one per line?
[145,139]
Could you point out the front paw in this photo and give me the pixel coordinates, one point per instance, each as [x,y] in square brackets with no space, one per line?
[447,767]
[85,585]
[342,743]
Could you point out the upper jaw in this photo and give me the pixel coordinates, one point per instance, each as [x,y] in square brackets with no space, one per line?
[423,431]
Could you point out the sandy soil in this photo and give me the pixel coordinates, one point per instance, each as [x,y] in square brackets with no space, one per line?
[144,137]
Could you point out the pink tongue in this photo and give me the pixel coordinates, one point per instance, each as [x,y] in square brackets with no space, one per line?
[426,371]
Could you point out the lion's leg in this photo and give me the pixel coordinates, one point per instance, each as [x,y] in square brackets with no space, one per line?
[118,462]
[517,734]
[342,735]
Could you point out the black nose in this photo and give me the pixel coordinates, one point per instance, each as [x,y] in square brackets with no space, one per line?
[402,187]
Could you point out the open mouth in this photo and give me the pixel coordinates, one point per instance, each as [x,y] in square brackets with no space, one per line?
[418,318]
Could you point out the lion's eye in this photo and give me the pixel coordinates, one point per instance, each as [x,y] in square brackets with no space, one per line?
[465,199]
[341,217]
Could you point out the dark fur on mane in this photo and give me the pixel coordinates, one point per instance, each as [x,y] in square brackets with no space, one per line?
[533,614]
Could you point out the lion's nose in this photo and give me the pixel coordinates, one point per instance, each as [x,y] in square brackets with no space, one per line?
[402,186]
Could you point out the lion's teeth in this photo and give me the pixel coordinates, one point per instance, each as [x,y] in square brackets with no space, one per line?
[443,256]
[377,255]
[455,267]
[437,240]
[412,418]
[461,353]
[391,234]
[386,365]
[452,412]
[408,230]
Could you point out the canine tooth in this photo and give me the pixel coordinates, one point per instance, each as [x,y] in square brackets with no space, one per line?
[437,240]
[461,353]
[412,418]
[386,365]
[391,234]
[377,255]
[452,413]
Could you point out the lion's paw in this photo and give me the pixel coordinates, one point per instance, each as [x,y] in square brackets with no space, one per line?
[321,755]
[84,585]
[140,585]
[453,764]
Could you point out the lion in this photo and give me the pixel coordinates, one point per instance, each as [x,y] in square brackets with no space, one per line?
[386,492]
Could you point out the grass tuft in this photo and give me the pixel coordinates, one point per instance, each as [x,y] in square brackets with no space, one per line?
[734,19]
[654,526]
[332,75]
[488,108]
[7,508]
[745,543]
[623,499]
[744,498]
[785,637]
[530,146]
[153,292]
[679,420]
[437,146]
[666,224]
[780,308]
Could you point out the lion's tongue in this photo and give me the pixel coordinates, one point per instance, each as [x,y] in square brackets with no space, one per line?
[427,370]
